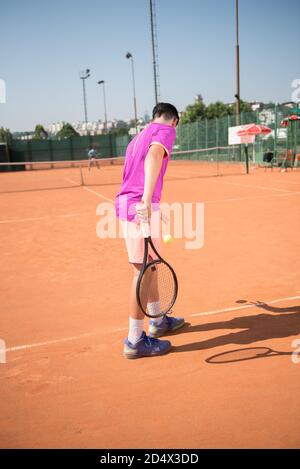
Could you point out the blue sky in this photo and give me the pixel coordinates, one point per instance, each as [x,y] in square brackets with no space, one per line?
[45,44]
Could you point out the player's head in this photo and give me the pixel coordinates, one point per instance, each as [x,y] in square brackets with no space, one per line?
[166,112]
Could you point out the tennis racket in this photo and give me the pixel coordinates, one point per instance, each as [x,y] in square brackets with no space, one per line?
[157,282]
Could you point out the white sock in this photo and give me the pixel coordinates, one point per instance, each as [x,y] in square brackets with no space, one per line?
[154,309]
[136,327]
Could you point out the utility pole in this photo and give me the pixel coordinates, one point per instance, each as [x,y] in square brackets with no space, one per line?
[154,49]
[237,95]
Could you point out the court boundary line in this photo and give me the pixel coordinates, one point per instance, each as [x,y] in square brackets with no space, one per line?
[17,348]
[283,182]
[245,306]
[251,186]
[94,192]
[49,217]
[70,215]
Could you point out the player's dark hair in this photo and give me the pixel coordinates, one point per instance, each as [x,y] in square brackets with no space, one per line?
[167,110]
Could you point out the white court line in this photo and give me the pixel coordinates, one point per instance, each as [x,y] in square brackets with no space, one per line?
[208,180]
[251,197]
[98,194]
[252,186]
[236,308]
[71,181]
[92,191]
[63,339]
[18,220]
[48,342]
[285,192]
[285,182]
[68,215]
[88,334]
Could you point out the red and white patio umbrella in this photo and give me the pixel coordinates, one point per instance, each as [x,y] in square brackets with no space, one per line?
[284,123]
[251,130]
[254,129]
[292,118]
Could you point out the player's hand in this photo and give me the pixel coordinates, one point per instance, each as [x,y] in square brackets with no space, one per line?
[143,211]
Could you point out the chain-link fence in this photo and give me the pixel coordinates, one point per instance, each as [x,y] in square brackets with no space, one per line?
[75,148]
[284,142]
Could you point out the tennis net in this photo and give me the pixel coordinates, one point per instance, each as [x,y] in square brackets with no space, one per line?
[28,176]
[215,161]
[187,164]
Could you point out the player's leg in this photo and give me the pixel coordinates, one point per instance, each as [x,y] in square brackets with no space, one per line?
[153,293]
[160,325]
[138,344]
[136,318]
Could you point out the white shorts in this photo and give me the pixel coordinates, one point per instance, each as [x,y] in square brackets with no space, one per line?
[134,239]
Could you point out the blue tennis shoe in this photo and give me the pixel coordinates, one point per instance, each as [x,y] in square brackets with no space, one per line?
[146,347]
[168,324]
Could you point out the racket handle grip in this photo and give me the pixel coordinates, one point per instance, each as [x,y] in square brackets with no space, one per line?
[145,227]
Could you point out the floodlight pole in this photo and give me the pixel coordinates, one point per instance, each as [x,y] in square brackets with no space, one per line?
[102,82]
[154,49]
[130,56]
[83,77]
[84,101]
[237,95]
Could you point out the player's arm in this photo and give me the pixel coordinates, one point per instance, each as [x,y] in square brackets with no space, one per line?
[152,167]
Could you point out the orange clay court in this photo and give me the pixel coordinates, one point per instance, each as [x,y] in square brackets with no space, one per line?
[64,315]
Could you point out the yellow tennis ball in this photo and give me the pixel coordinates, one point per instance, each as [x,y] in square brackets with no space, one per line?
[167,239]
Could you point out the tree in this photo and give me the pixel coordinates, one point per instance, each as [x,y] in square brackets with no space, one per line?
[199,111]
[5,135]
[194,112]
[67,131]
[40,133]
[119,131]
[122,124]
[245,107]
[217,109]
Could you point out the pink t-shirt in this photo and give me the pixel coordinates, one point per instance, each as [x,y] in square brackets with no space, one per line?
[132,187]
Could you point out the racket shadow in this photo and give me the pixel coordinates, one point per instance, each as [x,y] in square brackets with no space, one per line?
[244,354]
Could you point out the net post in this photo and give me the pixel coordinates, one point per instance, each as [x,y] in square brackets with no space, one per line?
[246,158]
[81,174]
[275,133]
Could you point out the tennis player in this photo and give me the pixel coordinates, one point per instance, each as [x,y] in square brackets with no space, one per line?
[146,161]
[92,155]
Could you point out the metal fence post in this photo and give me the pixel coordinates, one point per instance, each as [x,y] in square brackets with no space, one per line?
[275,134]
[29,150]
[50,151]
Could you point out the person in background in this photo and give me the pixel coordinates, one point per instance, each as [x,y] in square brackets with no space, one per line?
[92,155]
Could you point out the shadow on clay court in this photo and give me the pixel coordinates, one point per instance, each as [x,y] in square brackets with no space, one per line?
[285,323]
[244,354]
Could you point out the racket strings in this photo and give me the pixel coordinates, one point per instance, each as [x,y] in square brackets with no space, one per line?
[158,285]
